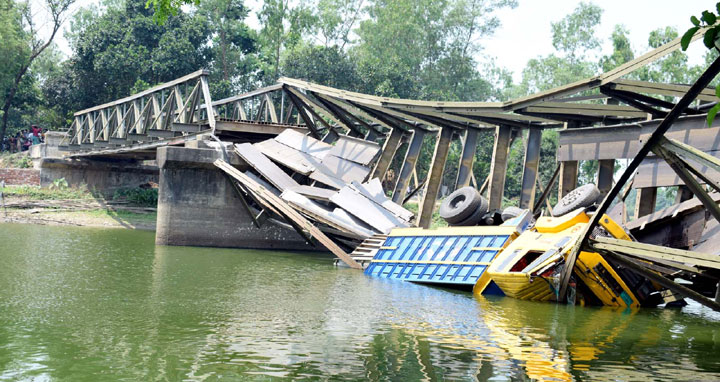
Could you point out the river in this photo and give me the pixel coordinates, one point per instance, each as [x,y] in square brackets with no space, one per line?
[85,304]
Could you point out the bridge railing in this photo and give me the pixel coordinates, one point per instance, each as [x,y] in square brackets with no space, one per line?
[167,110]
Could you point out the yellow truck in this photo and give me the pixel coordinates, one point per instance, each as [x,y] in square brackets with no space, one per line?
[529,268]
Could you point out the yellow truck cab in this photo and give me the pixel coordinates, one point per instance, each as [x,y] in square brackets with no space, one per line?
[529,268]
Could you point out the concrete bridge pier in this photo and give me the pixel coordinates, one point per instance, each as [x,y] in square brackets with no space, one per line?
[198,206]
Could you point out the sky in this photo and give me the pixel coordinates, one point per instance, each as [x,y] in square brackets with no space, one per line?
[510,46]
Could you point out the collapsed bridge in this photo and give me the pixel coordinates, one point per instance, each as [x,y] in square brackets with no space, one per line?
[603,118]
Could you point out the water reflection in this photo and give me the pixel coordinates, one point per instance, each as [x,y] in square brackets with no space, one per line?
[86,304]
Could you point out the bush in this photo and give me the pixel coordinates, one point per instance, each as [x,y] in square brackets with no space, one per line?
[146,197]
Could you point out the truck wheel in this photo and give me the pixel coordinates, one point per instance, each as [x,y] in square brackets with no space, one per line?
[583,196]
[511,212]
[460,204]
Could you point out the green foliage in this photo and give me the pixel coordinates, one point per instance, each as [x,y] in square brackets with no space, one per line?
[18,160]
[59,184]
[710,38]
[39,193]
[146,197]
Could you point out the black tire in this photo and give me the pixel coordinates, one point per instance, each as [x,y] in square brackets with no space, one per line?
[460,204]
[580,197]
[511,212]
[476,216]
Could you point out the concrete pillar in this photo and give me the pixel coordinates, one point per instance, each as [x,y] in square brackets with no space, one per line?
[530,168]
[388,153]
[198,206]
[435,175]
[606,170]
[568,177]
[645,201]
[498,166]
[466,158]
[408,167]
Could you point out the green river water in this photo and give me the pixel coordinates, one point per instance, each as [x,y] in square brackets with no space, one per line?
[84,304]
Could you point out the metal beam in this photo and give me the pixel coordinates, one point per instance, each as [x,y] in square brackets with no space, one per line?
[392,142]
[606,170]
[435,175]
[530,168]
[498,166]
[408,166]
[467,158]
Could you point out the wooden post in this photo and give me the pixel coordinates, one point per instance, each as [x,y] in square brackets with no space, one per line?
[568,177]
[530,168]
[435,175]
[645,201]
[388,153]
[498,166]
[606,170]
[466,158]
[408,167]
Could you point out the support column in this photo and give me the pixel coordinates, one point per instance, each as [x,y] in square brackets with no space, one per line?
[498,166]
[466,158]
[568,177]
[388,153]
[645,201]
[530,168]
[683,194]
[606,169]
[198,206]
[408,167]
[435,175]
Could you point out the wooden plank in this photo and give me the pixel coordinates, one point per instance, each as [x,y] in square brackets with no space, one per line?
[304,143]
[645,201]
[315,193]
[269,170]
[366,210]
[355,149]
[323,214]
[370,191]
[288,212]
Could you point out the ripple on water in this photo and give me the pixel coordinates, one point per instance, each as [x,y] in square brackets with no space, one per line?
[93,304]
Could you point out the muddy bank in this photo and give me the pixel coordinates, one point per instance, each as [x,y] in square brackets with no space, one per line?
[76,212]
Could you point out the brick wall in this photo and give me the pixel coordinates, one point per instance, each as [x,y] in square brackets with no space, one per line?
[18,176]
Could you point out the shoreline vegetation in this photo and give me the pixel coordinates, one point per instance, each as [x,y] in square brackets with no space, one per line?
[131,208]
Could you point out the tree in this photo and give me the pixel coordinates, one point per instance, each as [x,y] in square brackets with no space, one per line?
[26,55]
[283,28]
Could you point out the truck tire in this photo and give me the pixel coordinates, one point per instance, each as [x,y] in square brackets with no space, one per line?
[476,216]
[459,205]
[511,212]
[583,196]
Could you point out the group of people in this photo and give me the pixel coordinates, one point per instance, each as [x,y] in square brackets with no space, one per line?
[23,139]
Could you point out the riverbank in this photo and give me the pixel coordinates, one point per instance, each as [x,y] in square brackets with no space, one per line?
[76,207]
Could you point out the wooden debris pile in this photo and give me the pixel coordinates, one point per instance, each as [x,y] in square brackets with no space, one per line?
[326,185]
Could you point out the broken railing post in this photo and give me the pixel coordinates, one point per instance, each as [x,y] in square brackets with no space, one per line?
[392,142]
[408,166]
[435,175]
[466,158]
[530,168]
[498,166]
[655,139]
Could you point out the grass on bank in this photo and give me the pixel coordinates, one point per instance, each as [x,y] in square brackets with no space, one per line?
[45,193]
[16,160]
